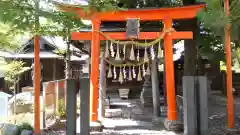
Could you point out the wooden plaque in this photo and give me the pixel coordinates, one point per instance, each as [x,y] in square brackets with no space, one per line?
[132,30]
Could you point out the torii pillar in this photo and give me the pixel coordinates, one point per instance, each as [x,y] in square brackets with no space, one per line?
[165,14]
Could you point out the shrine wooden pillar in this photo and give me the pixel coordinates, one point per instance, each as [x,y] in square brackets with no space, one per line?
[170,82]
[230,102]
[95,55]
[37,84]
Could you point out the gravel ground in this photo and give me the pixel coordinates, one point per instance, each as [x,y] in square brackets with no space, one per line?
[126,118]
[218,116]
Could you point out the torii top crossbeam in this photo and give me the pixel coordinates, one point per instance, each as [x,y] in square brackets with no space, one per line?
[167,15]
[143,14]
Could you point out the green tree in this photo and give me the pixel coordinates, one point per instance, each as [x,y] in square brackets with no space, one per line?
[21,15]
[8,41]
[215,19]
[12,75]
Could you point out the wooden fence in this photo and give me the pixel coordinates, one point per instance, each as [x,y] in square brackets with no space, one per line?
[53,92]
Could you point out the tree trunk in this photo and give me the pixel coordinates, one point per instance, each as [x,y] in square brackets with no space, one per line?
[67,63]
[68,58]
[190,48]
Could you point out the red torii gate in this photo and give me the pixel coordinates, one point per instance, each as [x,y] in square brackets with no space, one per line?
[167,15]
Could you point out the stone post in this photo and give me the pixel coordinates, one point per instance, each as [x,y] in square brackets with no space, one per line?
[189,105]
[84,104]
[203,105]
[71,106]
[155,88]
[102,90]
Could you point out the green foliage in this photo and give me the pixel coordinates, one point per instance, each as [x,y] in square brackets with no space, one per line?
[5,41]
[25,126]
[215,18]
[61,52]
[111,5]
[103,5]
[13,71]
[61,112]
[211,45]
[21,15]
[8,41]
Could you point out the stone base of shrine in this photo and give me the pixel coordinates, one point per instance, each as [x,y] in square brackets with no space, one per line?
[96,127]
[173,125]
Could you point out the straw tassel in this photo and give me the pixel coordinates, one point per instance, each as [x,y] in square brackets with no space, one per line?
[130,74]
[124,72]
[109,72]
[138,56]
[143,69]
[114,72]
[134,73]
[112,49]
[132,55]
[118,54]
[139,78]
[145,55]
[124,52]
[148,70]
[106,50]
[160,50]
[152,53]
[120,79]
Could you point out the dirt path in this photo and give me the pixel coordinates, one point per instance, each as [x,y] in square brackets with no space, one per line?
[126,117]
